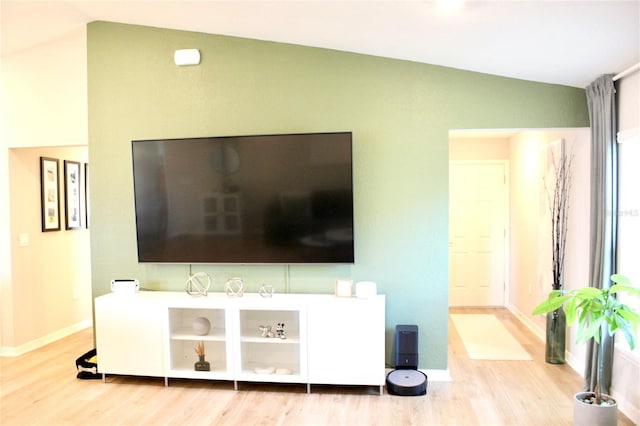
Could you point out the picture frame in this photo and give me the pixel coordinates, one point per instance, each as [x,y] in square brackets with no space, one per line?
[344,288]
[86,195]
[50,194]
[73,210]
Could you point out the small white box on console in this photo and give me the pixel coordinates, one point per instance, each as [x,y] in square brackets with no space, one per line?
[366,289]
[125,286]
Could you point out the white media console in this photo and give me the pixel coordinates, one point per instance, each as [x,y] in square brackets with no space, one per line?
[329,339]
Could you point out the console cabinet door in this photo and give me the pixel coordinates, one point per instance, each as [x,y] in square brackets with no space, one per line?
[346,341]
[129,336]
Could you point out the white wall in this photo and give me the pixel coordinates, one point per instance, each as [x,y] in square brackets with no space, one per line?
[628,93]
[491,148]
[44,91]
[526,279]
[44,104]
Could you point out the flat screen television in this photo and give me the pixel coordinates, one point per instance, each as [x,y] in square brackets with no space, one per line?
[285,199]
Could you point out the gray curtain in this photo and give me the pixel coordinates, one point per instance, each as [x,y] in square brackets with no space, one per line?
[604,211]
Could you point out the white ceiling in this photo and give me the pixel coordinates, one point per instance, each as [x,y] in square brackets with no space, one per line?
[563,42]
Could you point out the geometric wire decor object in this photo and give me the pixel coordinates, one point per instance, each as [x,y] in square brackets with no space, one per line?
[195,286]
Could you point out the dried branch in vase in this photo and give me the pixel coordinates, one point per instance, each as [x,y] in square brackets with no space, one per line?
[558,197]
[200,349]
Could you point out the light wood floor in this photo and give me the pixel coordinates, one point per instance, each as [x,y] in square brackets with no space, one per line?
[40,388]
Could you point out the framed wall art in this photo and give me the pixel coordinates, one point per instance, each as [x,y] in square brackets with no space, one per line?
[50,194]
[72,206]
[86,195]
[343,288]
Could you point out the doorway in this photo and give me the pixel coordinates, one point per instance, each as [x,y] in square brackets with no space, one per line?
[527,270]
[478,216]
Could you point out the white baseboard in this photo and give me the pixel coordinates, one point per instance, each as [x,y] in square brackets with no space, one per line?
[574,362]
[438,375]
[533,327]
[13,351]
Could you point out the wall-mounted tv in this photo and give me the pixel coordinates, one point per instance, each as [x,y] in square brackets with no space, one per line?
[285,199]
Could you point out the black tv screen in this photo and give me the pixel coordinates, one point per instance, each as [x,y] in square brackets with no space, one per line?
[245,199]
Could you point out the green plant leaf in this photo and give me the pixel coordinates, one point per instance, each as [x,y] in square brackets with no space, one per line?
[592,330]
[555,301]
[589,293]
[631,290]
[570,309]
[620,279]
[613,322]
[629,315]
[631,332]
[630,336]
[583,313]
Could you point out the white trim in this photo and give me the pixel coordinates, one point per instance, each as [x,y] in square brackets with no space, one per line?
[526,321]
[438,375]
[13,351]
[574,362]
[629,135]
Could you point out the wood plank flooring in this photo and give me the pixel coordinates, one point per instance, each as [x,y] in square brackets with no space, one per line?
[40,388]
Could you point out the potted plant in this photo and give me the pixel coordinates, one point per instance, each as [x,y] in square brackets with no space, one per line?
[597,311]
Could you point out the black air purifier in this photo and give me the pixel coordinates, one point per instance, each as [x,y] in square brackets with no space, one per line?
[406,379]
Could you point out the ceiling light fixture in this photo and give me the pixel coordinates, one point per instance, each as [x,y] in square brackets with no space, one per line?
[450,6]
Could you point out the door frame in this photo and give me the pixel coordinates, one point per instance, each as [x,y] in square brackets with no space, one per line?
[507,212]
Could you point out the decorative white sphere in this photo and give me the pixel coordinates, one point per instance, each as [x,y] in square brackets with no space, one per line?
[201,326]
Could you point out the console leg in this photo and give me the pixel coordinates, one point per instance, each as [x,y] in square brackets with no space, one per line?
[104,377]
[166,382]
[381,390]
[235,385]
[308,387]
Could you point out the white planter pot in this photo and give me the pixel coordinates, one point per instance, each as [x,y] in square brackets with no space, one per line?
[594,415]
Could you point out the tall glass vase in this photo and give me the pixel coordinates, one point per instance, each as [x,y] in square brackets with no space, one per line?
[556,337]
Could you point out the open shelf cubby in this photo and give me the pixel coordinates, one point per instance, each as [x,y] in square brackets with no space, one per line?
[184,338]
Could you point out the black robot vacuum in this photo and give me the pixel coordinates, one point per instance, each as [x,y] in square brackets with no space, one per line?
[406,379]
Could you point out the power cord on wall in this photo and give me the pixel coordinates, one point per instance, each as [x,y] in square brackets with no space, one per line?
[287,277]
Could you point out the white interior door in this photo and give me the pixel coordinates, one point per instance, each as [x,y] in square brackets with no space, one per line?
[477,233]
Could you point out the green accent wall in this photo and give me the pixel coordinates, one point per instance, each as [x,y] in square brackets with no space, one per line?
[400,113]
